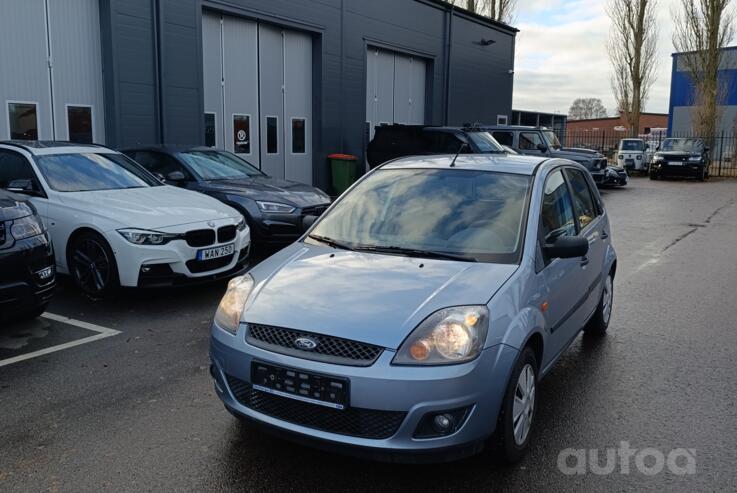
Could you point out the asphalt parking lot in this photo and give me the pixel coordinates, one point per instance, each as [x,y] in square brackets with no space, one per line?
[115,395]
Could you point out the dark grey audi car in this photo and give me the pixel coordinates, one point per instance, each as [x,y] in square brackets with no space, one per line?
[273,207]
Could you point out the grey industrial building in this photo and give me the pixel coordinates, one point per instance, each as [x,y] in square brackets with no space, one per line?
[284,83]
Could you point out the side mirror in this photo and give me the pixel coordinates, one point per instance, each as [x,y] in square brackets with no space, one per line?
[567,247]
[175,177]
[308,221]
[22,186]
[542,148]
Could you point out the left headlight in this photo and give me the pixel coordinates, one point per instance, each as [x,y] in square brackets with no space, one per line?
[228,315]
[241,224]
[25,227]
[695,159]
[274,207]
[145,237]
[451,335]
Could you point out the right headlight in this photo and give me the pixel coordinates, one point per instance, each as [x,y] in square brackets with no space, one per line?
[658,158]
[274,207]
[25,227]
[228,315]
[451,335]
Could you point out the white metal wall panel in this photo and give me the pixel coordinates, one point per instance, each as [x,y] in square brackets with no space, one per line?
[380,87]
[298,105]
[74,32]
[24,73]
[417,76]
[240,69]
[212,63]
[271,74]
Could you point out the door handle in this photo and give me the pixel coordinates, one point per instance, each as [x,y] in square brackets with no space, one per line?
[584,260]
[604,234]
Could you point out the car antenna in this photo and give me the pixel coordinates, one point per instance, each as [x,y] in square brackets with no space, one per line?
[463,146]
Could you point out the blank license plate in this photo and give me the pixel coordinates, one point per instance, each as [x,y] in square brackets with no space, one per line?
[675,163]
[217,252]
[317,389]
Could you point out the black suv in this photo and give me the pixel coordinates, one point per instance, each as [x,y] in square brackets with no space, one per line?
[395,141]
[681,157]
[542,141]
[27,275]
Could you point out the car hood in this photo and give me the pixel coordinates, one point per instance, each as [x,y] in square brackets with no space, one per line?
[13,206]
[269,189]
[575,152]
[377,299]
[150,207]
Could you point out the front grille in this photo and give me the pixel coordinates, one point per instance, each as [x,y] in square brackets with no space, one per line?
[315,210]
[2,233]
[328,349]
[197,266]
[226,233]
[200,237]
[353,421]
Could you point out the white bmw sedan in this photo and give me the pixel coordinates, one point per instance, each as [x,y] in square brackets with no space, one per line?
[113,223]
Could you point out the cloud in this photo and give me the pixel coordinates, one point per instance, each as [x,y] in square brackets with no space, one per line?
[561,55]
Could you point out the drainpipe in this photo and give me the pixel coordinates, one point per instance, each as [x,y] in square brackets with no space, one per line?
[448,47]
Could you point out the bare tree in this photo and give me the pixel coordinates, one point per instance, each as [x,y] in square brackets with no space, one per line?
[633,53]
[498,10]
[702,29]
[586,109]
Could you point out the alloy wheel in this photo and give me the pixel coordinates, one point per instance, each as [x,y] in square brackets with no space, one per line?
[91,266]
[524,404]
[606,299]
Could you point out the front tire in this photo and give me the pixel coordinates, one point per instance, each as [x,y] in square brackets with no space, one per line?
[515,422]
[599,323]
[702,174]
[92,265]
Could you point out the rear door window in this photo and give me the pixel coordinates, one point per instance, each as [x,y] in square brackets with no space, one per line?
[583,202]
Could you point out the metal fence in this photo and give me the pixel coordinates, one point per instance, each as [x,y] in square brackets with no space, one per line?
[722,147]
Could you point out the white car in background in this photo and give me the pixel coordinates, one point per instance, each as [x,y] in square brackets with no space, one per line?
[632,155]
[114,223]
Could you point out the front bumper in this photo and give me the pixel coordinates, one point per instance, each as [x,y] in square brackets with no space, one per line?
[380,388]
[686,169]
[21,286]
[172,263]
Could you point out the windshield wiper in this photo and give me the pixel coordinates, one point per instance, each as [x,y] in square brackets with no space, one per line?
[331,242]
[414,252]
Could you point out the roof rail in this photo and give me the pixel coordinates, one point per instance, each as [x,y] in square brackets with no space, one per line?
[14,144]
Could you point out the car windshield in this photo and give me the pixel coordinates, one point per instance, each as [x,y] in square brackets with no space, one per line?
[218,165]
[485,142]
[84,172]
[631,145]
[681,145]
[552,139]
[472,215]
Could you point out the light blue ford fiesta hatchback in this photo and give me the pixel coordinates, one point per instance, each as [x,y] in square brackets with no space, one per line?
[415,318]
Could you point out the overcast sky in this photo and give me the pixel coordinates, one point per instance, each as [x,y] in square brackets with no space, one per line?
[561,55]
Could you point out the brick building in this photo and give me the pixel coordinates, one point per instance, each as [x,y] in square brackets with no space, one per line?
[617,124]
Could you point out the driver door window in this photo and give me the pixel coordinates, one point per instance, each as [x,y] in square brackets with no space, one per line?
[556,218]
[530,142]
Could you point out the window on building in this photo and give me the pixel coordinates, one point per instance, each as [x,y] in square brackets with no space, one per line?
[298,135]
[272,135]
[242,134]
[79,123]
[22,120]
[210,136]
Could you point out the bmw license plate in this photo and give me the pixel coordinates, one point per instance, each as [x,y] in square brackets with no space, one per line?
[217,252]
[322,390]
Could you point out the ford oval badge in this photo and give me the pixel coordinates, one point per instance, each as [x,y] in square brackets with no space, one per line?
[305,343]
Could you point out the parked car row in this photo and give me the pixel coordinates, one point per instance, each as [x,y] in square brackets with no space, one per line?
[395,141]
[114,222]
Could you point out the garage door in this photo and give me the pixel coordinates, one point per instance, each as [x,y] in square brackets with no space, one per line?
[258,94]
[395,88]
[50,71]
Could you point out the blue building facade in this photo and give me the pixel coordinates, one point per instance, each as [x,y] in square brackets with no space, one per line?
[682,95]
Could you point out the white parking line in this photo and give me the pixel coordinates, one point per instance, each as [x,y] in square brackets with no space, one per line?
[102,333]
